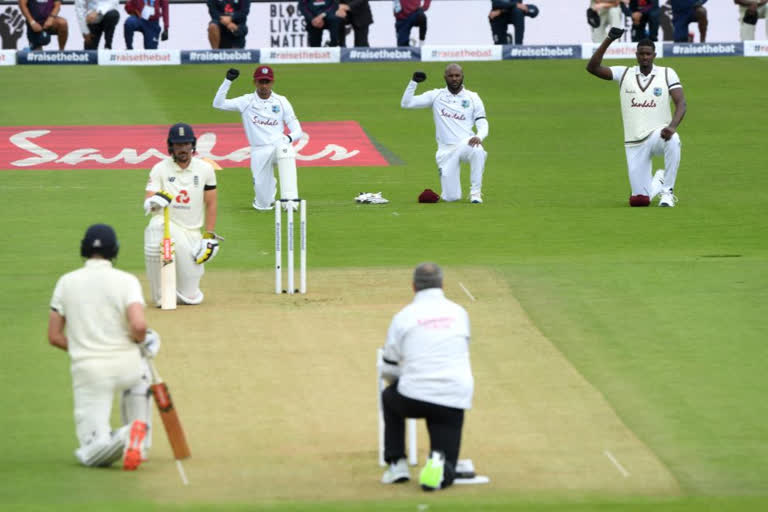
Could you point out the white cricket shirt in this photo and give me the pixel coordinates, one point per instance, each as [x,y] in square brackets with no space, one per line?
[187,187]
[263,120]
[93,301]
[645,104]
[429,338]
[454,114]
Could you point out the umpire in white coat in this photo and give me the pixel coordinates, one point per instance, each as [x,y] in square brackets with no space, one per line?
[97,316]
[427,352]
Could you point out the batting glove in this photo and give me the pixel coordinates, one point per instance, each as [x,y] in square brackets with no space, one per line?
[209,248]
[157,202]
[232,74]
[151,344]
[419,76]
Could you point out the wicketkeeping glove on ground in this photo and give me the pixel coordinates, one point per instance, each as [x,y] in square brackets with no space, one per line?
[157,202]
[419,76]
[615,33]
[151,344]
[232,73]
[209,248]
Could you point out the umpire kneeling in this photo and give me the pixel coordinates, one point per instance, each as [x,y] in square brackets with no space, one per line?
[427,355]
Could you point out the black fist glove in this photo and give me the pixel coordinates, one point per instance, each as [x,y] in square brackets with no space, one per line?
[615,33]
[419,76]
[232,73]
[164,35]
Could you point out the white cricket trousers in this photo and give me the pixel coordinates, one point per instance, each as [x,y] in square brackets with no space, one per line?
[263,161]
[449,158]
[639,162]
[94,383]
[747,31]
[186,242]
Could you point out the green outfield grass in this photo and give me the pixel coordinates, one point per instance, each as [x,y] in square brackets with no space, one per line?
[661,310]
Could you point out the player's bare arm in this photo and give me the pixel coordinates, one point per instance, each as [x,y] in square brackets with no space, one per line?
[56,336]
[23,5]
[210,197]
[594,65]
[137,321]
[680,108]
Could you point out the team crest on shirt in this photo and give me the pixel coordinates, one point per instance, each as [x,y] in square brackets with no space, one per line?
[275,108]
[657,91]
[465,103]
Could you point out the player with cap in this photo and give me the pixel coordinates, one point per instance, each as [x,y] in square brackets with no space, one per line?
[650,129]
[97,316]
[186,185]
[265,115]
[456,111]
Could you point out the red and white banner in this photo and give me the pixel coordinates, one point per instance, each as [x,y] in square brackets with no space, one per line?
[335,143]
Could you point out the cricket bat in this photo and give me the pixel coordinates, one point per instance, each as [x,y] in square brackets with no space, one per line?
[169,416]
[168,269]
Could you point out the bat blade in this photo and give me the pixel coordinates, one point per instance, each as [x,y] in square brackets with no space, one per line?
[171,420]
[168,270]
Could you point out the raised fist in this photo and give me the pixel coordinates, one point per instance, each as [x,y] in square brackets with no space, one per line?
[419,76]
[232,73]
[615,33]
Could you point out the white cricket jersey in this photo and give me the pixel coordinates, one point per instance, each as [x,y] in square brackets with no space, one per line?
[645,104]
[187,187]
[429,338]
[93,301]
[454,114]
[263,120]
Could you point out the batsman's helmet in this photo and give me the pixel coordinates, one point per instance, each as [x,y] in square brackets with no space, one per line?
[99,239]
[181,132]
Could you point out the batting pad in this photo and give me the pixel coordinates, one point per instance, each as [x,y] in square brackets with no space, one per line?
[136,404]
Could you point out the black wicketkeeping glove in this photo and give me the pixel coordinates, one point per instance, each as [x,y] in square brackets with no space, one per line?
[615,33]
[419,76]
[232,73]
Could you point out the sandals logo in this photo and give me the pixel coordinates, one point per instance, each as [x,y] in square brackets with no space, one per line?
[324,144]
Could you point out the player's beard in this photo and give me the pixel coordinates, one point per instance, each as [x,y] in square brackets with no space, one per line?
[457,88]
[182,157]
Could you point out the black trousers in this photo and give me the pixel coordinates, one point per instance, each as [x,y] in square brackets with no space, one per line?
[315,35]
[361,35]
[107,27]
[444,425]
[499,25]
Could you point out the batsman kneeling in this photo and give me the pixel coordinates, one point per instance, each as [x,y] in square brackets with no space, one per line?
[181,197]
[265,115]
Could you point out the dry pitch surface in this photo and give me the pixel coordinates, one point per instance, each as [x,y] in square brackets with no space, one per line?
[278,396]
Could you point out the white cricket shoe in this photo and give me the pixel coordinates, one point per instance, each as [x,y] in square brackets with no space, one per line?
[657,183]
[476,198]
[259,208]
[396,473]
[668,199]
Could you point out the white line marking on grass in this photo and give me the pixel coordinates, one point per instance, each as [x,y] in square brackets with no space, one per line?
[615,462]
[466,291]
[181,473]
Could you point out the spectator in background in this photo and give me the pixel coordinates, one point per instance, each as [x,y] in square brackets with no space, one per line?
[356,13]
[228,27]
[144,16]
[321,15]
[43,21]
[645,13]
[506,12]
[409,14]
[608,15]
[685,12]
[97,17]
[749,12]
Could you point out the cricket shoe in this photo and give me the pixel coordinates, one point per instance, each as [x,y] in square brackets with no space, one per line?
[657,183]
[476,198]
[668,199]
[260,208]
[132,458]
[431,477]
[396,473]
